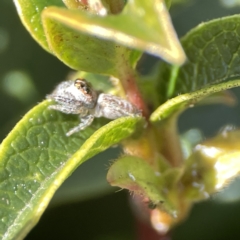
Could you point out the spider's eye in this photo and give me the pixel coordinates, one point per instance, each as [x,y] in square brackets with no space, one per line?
[83,85]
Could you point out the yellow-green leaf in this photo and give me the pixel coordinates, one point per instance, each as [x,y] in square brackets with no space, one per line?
[136,175]
[84,52]
[184,101]
[30,15]
[143,25]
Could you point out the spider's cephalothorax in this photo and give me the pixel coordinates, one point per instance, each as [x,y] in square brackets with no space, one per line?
[78,97]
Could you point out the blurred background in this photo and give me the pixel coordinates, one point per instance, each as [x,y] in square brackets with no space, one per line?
[85,207]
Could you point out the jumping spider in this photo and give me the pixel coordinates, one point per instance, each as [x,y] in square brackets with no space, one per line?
[78,97]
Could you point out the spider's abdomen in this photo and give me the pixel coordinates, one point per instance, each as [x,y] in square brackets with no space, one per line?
[112,107]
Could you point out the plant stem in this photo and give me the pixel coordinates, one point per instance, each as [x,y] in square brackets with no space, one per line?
[169,141]
[163,139]
[172,81]
[133,93]
[166,133]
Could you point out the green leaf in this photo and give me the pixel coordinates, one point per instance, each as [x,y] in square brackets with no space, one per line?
[212,165]
[213,59]
[30,15]
[211,49]
[36,157]
[143,25]
[136,175]
[184,101]
[87,53]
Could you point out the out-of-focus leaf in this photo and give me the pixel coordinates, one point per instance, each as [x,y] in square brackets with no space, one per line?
[18,84]
[230,4]
[30,15]
[142,25]
[36,157]
[212,165]
[168,3]
[189,140]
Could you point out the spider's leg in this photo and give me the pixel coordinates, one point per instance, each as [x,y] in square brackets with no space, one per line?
[85,122]
[64,108]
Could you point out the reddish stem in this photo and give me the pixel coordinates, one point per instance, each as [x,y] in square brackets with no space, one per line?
[144,229]
[133,94]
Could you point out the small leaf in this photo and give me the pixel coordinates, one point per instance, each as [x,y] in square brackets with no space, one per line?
[136,175]
[36,157]
[30,15]
[212,165]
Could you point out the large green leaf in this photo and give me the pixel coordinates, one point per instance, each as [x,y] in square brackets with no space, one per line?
[36,157]
[87,53]
[82,40]
[30,14]
[213,58]
[142,25]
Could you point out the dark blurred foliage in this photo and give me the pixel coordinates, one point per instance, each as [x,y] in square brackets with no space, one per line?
[107,217]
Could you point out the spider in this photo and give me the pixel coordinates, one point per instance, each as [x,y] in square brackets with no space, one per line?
[78,97]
